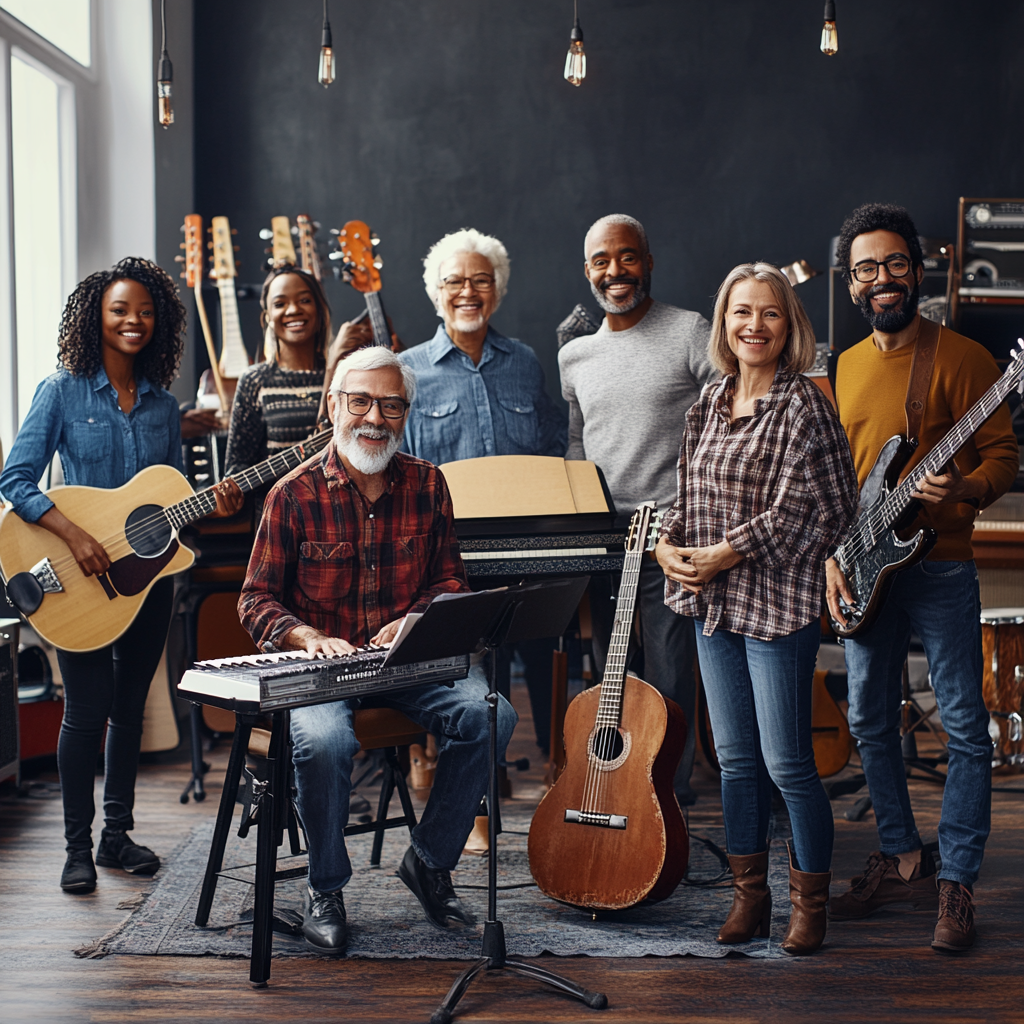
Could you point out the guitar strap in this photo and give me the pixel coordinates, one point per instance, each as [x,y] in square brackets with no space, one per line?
[921,375]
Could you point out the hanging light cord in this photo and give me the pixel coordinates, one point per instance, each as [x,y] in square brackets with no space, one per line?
[326,40]
[163,27]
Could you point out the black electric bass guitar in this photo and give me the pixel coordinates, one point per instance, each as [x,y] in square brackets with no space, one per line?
[873,553]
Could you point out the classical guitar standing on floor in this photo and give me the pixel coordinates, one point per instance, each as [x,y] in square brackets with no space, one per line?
[610,832]
[138,526]
[873,552]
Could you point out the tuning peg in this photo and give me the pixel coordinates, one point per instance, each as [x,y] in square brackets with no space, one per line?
[316,225]
[183,275]
[179,259]
[236,248]
[378,263]
[336,255]
[335,231]
[374,240]
[266,233]
[181,245]
[234,231]
[182,229]
[295,230]
[209,245]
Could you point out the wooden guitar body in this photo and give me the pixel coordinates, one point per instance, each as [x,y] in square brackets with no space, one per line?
[830,732]
[608,868]
[90,612]
[871,574]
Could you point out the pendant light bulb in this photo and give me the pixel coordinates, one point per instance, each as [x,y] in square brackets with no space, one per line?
[829,35]
[575,59]
[325,75]
[164,76]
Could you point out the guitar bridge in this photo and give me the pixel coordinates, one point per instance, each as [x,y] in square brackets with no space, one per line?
[27,589]
[595,818]
[47,576]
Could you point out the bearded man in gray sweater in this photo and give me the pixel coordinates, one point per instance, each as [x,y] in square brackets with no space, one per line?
[629,387]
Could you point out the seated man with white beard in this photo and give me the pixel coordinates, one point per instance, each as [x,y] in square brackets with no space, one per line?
[349,542]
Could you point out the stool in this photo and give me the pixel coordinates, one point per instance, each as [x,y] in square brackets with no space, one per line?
[376,729]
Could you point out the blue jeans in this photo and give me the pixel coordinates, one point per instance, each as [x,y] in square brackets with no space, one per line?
[940,602]
[324,743]
[759,698]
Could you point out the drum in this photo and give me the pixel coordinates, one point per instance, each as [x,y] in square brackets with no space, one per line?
[1002,646]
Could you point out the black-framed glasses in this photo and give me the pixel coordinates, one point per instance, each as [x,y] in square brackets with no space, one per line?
[867,270]
[359,405]
[480,282]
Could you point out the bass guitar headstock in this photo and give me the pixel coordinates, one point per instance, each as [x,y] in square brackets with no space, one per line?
[643,527]
[224,248]
[355,256]
[193,246]
[279,234]
[309,255]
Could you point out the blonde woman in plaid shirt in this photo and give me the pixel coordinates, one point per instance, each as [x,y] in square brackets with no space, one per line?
[766,489]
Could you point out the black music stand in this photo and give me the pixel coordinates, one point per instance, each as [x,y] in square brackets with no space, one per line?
[528,613]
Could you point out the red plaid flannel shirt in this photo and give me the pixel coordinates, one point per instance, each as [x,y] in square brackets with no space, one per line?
[325,557]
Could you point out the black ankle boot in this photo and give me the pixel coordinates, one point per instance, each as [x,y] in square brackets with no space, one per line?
[324,923]
[116,850]
[79,875]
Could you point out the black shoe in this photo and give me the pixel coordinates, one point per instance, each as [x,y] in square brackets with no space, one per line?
[79,875]
[116,850]
[324,923]
[434,889]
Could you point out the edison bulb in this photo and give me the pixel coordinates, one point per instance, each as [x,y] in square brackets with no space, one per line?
[165,109]
[326,75]
[829,39]
[576,61]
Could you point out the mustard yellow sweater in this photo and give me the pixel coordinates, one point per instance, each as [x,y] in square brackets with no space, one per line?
[871,391]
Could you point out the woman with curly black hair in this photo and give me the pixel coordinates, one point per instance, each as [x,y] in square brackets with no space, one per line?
[107,413]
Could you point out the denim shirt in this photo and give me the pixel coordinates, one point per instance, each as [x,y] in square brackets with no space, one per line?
[498,407]
[99,445]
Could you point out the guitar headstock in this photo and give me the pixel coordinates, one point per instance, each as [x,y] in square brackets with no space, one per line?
[279,234]
[308,253]
[644,527]
[1017,362]
[356,253]
[193,246]
[223,249]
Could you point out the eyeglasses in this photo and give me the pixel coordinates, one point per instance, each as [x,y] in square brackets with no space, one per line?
[898,266]
[360,405]
[479,283]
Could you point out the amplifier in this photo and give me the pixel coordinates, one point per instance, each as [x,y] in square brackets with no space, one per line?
[9,749]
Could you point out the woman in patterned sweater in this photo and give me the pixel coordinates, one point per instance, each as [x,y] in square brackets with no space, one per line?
[277,400]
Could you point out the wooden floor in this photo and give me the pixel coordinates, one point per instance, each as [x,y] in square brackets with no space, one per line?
[878,970]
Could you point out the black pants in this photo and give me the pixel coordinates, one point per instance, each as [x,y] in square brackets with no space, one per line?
[668,647]
[108,688]
[536,658]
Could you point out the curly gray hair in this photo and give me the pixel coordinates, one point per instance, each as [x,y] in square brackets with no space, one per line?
[466,240]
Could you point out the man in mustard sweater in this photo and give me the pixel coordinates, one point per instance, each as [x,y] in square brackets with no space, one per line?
[937,599]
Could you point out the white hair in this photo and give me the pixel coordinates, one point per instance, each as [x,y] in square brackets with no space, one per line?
[620,218]
[374,357]
[466,240]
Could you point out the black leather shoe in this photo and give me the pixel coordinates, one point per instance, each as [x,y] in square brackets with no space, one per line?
[434,889]
[324,922]
[116,850]
[79,875]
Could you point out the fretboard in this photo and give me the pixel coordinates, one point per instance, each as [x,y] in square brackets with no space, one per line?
[881,519]
[234,359]
[204,502]
[609,708]
[378,321]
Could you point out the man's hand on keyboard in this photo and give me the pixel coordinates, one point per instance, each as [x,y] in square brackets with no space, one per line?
[315,644]
[388,633]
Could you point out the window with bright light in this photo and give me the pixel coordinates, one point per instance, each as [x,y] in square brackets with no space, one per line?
[65,23]
[38,224]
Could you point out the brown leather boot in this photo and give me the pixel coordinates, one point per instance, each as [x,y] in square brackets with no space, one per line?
[808,892]
[751,900]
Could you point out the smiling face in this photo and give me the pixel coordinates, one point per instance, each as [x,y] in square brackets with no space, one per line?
[467,311]
[888,303]
[368,442]
[291,310]
[617,268]
[756,325]
[128,317]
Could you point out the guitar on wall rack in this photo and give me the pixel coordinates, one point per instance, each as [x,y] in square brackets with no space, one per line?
[83,613]
[234,359]
[356,252]
[309,255]
[282,249]
[873,553]
[610,833]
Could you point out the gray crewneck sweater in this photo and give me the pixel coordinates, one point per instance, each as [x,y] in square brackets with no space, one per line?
[628,394]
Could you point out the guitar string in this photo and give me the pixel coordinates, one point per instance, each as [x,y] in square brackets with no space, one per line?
[877,520]
[201,503]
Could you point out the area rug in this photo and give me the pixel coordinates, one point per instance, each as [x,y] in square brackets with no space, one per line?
[385,921]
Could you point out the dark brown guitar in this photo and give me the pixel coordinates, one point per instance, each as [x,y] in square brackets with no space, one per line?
[610,833]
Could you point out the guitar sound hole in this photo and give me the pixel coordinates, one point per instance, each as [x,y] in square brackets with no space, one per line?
[607,744]
[148,531]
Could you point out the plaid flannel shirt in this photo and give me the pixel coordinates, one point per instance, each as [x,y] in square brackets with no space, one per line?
[780,486]
[326,557]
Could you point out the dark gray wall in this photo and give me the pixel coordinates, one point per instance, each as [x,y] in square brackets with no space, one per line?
[720,125]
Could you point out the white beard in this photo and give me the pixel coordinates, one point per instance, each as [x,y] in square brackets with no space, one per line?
[369,463]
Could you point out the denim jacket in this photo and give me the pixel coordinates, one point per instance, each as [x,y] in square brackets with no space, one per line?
[99,445]
[499,407]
